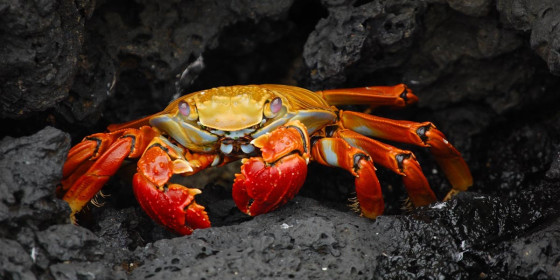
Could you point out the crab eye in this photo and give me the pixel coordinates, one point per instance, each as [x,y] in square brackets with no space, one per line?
[188,111]
[184,108]
[276,105]
[273,107]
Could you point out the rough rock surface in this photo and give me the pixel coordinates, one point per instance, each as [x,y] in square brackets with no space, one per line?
[39,53]
[484,71]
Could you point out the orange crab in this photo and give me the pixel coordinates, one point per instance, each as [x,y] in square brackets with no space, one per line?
[275,130]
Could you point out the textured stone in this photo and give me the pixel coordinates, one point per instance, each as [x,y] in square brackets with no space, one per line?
[369,37]
[16,262]
[85,270]
[39,54]
[29,168]
[539,18]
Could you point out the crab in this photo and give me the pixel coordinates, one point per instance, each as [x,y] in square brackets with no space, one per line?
[275,130]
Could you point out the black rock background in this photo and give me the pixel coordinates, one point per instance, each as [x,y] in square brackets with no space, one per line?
[486,73]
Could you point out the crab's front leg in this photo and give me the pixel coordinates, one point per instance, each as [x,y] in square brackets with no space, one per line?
[93,161]
[171,205]
[271,180]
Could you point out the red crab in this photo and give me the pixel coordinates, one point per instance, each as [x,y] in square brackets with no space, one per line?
[275,130]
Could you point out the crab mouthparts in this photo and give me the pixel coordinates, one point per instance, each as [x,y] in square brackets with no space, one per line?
[238,147]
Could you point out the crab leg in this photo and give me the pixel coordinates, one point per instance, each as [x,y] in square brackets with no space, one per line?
[171,205]
[337,152]
[399,161]
[421,134]
[93,161]
[397,96]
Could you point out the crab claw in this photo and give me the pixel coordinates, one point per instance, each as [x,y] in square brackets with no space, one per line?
[174,206]
[171,205]
[262,187]
[270,181]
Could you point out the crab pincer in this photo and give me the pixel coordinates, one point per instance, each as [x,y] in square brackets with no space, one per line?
[171,205]
[268,182]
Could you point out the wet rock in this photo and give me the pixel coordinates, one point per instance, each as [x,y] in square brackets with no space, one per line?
[306,239]
[534,256]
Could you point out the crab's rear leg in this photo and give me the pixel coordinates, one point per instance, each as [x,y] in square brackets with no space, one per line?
[399,161]
[395,96]
[421,134]
[94,160]
[338,153]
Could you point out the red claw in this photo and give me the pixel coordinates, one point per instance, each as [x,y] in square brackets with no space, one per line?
[270,181]
[173,207]
[261,188]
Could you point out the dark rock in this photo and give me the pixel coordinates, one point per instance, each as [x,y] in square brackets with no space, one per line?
[474,8]
[40,52]
[554,171]
[16,262]
[306,240]
[509,167]
[30,167]
[85,270]
[136,50]
[70,242]
[369,37]
[469,59]
[538,18]
[534,256]
[300,240]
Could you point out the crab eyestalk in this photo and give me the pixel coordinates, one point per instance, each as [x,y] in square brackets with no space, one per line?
[268,182]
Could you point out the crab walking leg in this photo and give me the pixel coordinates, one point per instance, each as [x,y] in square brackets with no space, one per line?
[83,155]
[421,134]
[171,205]
[268,182]
[337,152]
[399,161]
[92,162]
[397,96]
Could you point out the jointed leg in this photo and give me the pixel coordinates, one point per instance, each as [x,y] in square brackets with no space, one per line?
[397,96]
[399,161]
[338,153]
[420,134]
[93,161]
